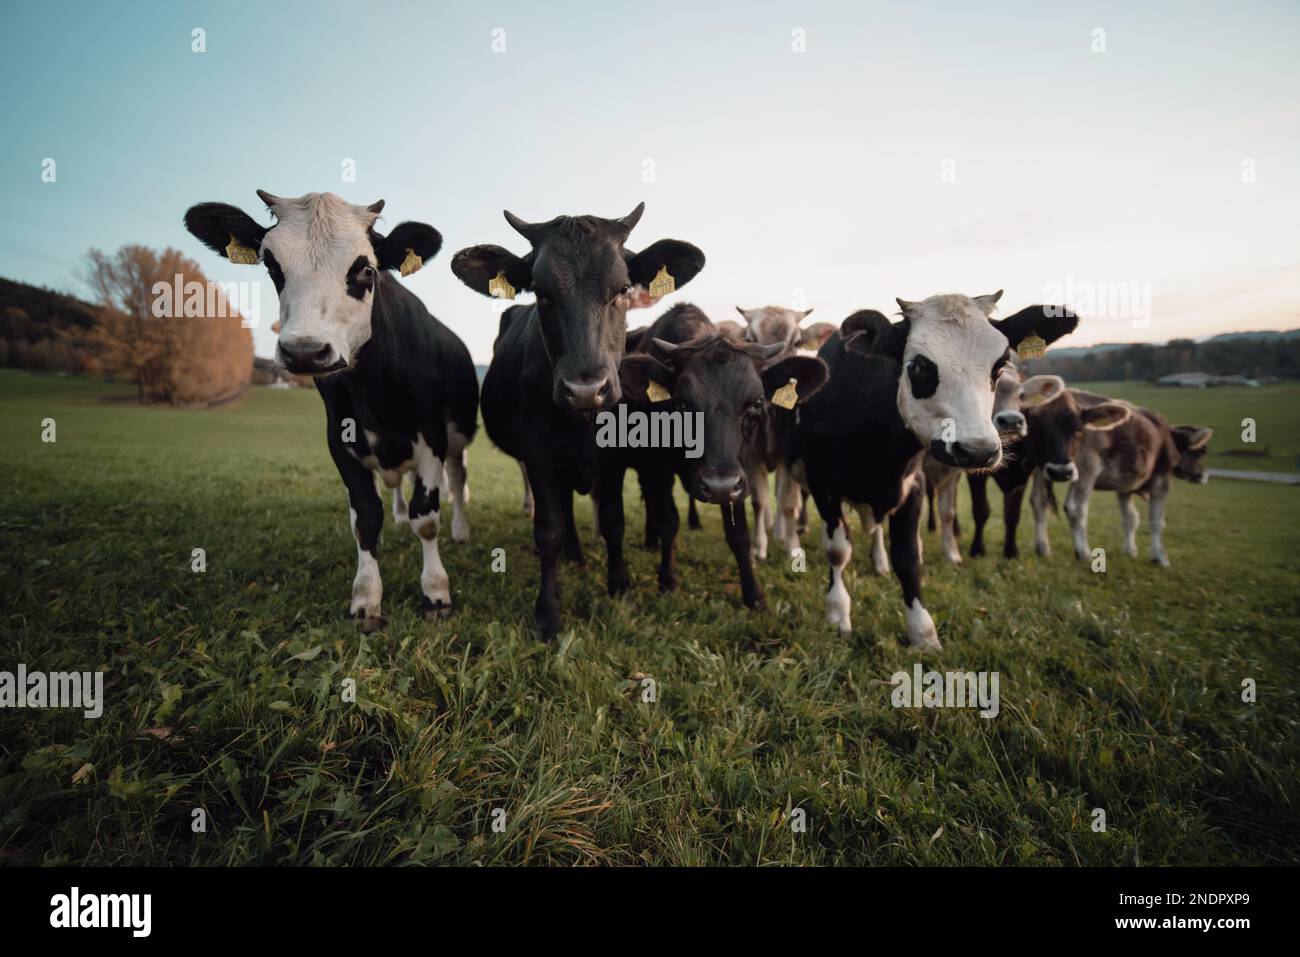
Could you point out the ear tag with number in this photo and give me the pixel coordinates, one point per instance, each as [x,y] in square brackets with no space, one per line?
[499,286]
[662,284]
[1032,347]
[411,263]
[787,396]
[240,254]
[657,393]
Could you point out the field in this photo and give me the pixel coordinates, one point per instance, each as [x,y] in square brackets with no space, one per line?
[1120,691]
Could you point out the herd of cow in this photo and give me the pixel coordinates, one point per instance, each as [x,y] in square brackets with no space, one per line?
[882,414]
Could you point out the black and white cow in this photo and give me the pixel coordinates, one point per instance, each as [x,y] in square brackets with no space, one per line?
[399,387]
[1139,453]
[555,362]
[896,391]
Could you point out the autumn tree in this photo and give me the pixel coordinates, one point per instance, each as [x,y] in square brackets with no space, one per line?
[165,327]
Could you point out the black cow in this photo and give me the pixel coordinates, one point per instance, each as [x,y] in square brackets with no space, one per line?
[555,362]
[895,391]
[724,387]
[399,387]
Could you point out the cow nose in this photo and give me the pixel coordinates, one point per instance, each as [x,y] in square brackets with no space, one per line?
[720,486]
[1058,472]
[306,356]
[591,393]
[1011,422]
[967,455]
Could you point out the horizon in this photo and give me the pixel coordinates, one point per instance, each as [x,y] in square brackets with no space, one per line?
[1154,172]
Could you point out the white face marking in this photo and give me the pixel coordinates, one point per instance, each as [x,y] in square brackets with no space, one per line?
[954,333]
[315,242]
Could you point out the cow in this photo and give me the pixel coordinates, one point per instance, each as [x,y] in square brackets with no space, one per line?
[1138,455]
[726,386]
[896,391]
[399,387]
[555,361]
[773,325]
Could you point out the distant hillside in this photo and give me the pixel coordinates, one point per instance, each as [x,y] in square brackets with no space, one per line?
[1257,355]
[45,330]
[1221,337]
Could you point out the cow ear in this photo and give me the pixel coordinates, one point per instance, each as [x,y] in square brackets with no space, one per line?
[408,247]
[1040,389]
[1189,438]
[870,333]
[637,371]
[1049,323]
[682,260]
[479,265]
[1104,417]
[216,225]
[809,373]
[632,341]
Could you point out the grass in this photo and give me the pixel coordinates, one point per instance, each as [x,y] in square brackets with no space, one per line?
[1119,691]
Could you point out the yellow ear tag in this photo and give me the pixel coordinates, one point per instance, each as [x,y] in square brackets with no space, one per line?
[499,287]
[657,393]
[240,254]
[787,396]
[1032,347]
[411,263]
[662,284]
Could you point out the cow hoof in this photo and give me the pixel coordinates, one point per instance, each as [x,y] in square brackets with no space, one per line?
[1162,562]
[367,624]
[619,585]
[667,584]
[434,610]
[977,551]
[460,532]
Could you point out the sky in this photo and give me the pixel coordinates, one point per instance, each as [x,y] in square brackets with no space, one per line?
[1139,161]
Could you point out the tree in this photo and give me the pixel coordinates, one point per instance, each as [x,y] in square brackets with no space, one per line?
[202,354]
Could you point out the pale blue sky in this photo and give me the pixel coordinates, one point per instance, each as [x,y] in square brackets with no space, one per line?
[821,171]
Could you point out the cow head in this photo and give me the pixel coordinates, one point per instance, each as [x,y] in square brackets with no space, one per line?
[952,355]
[1008,419]
[583,277]
[325,258]
[1192,444]
[773,324]
[1057,423]
[731,384]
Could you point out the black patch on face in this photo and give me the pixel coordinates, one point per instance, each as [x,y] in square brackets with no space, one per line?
[924,377]
[273,269]
[360,277]
[999,366]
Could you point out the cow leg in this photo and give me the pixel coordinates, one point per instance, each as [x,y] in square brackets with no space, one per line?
[609,502]
[979,506]
[875,531]
[904,542]
[1011,503]
[455,473]
[572,544]
[1076,510]
[692,515]
[528,491]
[651,515]
[1156,519]
[400,515]
[737,532]
[1039,498]
[788,500]
[366,512]
[803,512]
[762,511]
[426,522]
[839,549]
[1129,519]
[931,524]
[548,533]
[946,496]
[660,489]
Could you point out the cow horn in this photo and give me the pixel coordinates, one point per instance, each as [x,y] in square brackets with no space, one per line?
[527,230]
[270,200]
[772,349]
[664,345]
[376,207]
[631,219]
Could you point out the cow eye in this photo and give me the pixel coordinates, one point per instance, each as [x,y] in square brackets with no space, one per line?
[923,376]
[368,273]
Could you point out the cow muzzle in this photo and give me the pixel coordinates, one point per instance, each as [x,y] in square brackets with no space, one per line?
[308,356]
[1059,472]
[1011,422]
[720,486]
[965,455]
[593,392]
